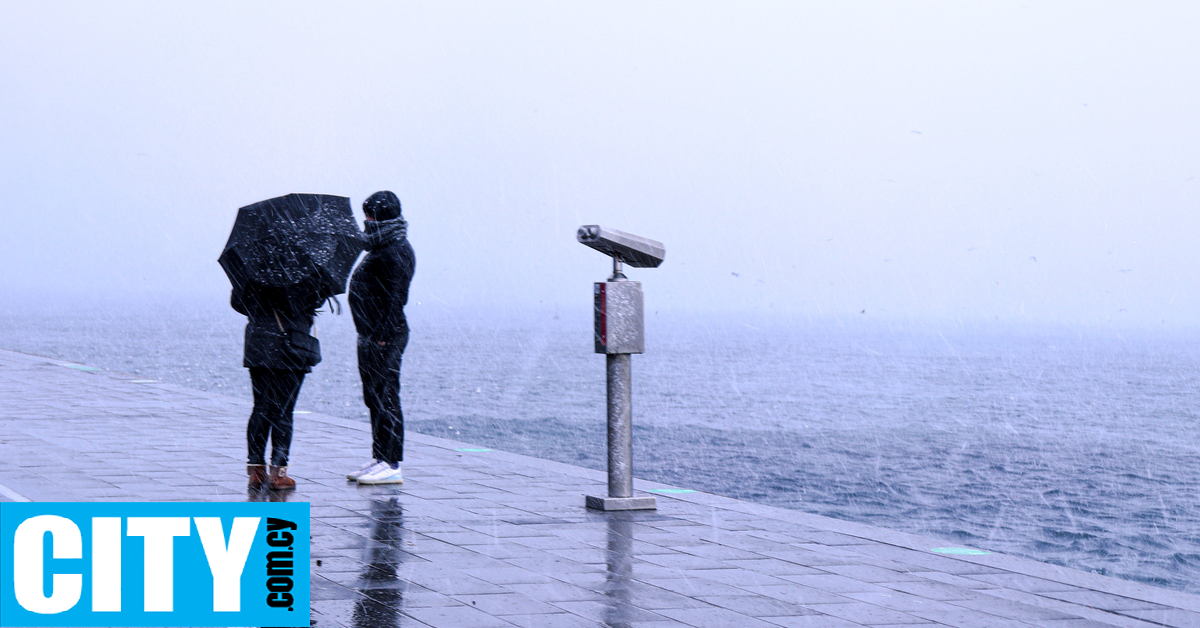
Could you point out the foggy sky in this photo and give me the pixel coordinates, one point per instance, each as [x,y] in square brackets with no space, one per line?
[939,161]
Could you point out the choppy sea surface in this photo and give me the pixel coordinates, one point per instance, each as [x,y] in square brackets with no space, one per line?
[1073,447]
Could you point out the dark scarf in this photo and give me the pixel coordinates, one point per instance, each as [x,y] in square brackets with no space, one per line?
[381,233]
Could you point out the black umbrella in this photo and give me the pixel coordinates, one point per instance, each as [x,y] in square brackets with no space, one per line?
[296,239]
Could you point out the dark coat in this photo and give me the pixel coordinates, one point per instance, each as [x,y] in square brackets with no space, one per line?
[264,340]
[379,292]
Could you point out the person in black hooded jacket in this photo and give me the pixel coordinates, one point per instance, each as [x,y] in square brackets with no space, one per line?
[275,374]
[378,294]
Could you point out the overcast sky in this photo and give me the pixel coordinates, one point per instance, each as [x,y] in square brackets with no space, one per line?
[964,161]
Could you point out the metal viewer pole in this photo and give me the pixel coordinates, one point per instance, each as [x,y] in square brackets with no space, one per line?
[620,426]
[620,411]
[620,332]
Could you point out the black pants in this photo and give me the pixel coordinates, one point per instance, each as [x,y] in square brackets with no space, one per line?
[275,392]
[379,368]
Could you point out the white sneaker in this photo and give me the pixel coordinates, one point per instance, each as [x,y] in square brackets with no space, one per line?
[365,469]
[383,475]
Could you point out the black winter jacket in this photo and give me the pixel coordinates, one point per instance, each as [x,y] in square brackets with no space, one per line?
[379,292]
[264,340]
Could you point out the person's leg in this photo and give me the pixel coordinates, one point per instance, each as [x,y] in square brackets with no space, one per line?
[368,367]
[259,426]
[392,430]
[388,427]
[381,391]
[279,391]
[287,390]
[258,429]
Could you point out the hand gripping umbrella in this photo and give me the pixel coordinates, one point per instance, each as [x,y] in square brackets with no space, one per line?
[296,239]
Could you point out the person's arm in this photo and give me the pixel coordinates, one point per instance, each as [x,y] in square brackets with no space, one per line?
[408,265]
[397,291]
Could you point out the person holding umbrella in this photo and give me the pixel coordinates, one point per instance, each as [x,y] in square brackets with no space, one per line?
[285,257]
[378,294]
[276,373]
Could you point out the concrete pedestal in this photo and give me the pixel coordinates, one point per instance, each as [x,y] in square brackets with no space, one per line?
[622,503]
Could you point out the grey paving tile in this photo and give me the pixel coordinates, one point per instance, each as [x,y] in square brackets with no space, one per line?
[900,601]
[855,552]
[797,594]
[611,611]
[456,617]
[736,577]
[663,623]
[812,621]
[679,560]
[507,575]
[799,556]
[550,542]
[584,556]
[693,587]
[834,583]
[713,617]
[361,614]
[558,620]
[555,566]
[1073,623]
[1075,611]
[932,590]
[756,605]
[870,573]
[503,551]
[1167,616]
[866,613]
[354,614]
[1021,582]
[961,617]
[555,592]
[1091,617]
[714,551]
[466,537]
[414,596]
[453,584]
[1009,609]
[325,590]
[651,597]
[962,582]
[775,537]
[589,580]
[507,603]
[1103,601]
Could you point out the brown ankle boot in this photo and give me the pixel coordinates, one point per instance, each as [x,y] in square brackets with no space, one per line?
[278,480]
[258,475]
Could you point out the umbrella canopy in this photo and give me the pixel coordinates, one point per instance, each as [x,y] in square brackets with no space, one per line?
[293,239]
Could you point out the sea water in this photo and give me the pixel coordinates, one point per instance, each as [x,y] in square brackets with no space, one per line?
[1079,447]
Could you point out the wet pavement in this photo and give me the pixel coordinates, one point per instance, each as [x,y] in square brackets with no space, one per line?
[486,538]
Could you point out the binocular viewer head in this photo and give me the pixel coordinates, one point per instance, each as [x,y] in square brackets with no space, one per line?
[634,250]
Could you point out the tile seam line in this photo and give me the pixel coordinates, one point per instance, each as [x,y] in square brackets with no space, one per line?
[13,495]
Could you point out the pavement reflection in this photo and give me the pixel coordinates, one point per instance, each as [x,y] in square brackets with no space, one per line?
[267,495]
[618,583]
[380,585]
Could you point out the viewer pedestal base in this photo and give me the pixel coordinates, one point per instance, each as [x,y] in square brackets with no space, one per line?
[621,503]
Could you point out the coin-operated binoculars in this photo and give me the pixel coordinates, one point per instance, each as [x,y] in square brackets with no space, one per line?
[620,332]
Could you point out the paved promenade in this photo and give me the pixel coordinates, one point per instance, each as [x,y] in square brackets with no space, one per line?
[478,538]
